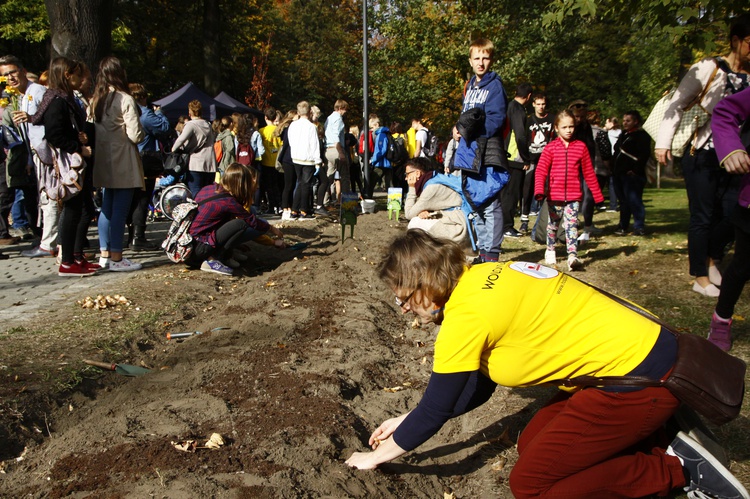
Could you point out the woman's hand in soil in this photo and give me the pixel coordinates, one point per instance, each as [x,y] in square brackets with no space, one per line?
[385,430]
[387,450]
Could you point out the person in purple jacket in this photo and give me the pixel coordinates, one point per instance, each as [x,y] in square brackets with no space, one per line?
[731,143]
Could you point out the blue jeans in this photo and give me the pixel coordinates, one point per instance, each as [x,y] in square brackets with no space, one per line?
[612,194]
[115,209]
[712,195]
[18,211]
[489,226]
[629,189]
[198,180]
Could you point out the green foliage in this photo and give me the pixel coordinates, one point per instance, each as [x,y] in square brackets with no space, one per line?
[24,20]
[615,54]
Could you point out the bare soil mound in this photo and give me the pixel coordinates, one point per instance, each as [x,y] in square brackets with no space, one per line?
[314,358]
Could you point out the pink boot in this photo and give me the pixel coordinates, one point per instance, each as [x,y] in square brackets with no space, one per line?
[721,332]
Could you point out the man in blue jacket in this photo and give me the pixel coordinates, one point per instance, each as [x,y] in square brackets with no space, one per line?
[483,158]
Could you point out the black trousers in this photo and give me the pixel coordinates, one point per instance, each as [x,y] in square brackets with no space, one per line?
[510,196]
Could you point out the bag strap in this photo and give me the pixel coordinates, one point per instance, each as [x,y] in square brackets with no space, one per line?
[643,381]
[703,93]
[216,196]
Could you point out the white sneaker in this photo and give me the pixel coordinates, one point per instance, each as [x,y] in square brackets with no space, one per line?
[574,263]
[584,237]
[124,265]
[286,215]
[550,258]
[103,263]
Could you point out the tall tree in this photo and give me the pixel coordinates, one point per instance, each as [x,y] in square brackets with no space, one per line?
[80,29]
[211,46]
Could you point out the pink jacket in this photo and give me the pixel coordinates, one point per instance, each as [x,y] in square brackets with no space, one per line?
[563,166]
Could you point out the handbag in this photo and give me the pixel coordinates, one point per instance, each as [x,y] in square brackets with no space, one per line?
[693,118]
[63,179]
[153,164]
[704,377]
[177,163]
[279,165]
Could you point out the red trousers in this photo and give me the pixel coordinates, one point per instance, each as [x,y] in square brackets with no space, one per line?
[598,444]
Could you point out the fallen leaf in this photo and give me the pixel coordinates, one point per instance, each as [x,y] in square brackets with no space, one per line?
[215,442]
[499,464]
[416,324]
[393,389]
[186,446]
[634,272]
[503,439]
[738,318]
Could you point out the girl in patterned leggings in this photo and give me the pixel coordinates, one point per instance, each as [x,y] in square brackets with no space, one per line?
[558,178]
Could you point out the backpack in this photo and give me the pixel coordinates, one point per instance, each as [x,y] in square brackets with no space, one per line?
[218,151]
[431,146]
[245,154]
[396,152]
[455,183]
[178,244]
[61,175]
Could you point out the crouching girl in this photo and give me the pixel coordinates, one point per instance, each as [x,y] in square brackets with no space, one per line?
[225,219]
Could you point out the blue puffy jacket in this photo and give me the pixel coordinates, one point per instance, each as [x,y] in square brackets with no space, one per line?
[378,158]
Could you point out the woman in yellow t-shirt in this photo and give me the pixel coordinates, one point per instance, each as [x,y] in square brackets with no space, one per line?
[522,324]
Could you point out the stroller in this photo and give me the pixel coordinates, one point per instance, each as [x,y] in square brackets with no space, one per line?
[168,193]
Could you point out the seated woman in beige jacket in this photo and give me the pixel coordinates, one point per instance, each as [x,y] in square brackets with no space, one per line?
[433,207]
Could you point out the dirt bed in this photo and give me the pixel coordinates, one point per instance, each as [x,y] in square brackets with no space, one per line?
[314,358]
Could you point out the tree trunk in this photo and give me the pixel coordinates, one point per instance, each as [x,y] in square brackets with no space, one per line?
[211,50]
[81,29]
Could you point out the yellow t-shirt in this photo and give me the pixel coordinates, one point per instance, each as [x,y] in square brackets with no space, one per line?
[523,324]
[271,144]
[411,142]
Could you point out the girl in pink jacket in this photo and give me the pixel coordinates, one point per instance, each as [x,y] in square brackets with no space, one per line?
[558,178]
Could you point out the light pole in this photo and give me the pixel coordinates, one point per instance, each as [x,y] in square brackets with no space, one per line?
[365,111]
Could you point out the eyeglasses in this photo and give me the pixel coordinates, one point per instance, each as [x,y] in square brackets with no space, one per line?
[410,172]
[402,303]
[13,73]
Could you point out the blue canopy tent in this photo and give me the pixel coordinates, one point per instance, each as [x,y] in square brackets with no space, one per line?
[240,107]
[175,104]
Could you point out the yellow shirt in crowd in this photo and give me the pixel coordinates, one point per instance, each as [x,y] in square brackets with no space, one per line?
[271,144]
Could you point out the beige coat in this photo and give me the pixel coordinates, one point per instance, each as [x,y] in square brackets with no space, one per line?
[445,204]
[689,88]
[117,164]
[198,137]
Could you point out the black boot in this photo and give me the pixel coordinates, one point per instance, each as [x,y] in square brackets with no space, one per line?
[126,242]
[140,243]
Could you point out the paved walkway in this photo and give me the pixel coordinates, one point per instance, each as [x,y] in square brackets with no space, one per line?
[28,284]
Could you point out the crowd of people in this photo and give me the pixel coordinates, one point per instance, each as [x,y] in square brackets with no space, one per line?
[499,164]
[118,143]
[522,324]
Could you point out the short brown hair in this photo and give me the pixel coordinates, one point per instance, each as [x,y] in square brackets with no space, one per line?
[340,105]
[138,91]
[482,45]
[241,182]
[303,108]
[195,108]
[426,265]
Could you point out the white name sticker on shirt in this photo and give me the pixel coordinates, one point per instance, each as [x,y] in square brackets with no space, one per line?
[534,270]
